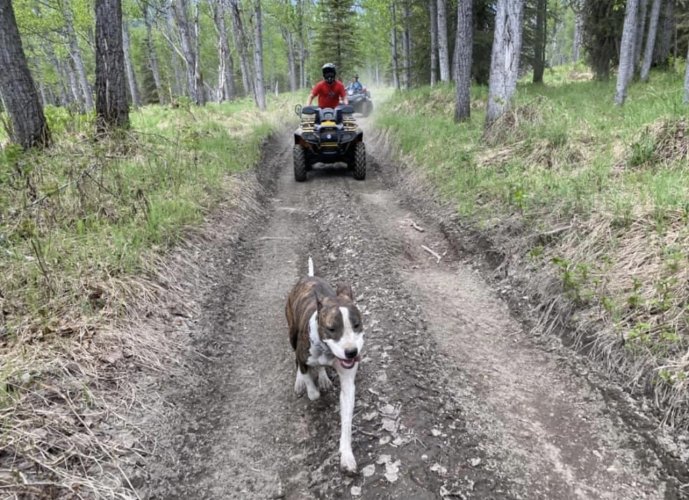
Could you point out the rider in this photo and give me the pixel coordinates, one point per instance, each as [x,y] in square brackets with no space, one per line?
[329,90]
[356,85]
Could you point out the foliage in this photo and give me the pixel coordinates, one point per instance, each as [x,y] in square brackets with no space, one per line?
[593,193]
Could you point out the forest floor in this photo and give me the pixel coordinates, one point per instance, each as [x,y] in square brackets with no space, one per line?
[458,396]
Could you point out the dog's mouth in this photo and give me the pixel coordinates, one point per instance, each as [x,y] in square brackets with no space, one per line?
[348,363]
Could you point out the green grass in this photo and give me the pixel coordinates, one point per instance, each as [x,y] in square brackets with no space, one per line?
[85,212]
[617,177]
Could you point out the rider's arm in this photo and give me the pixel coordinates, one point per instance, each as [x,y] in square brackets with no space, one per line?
[345,100]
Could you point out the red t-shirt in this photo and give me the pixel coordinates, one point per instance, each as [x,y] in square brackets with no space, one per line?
[328,94]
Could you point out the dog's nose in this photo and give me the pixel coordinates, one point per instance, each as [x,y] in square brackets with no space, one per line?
[351,353]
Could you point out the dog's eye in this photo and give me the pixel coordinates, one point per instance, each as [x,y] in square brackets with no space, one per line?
[357,325]
[331,329]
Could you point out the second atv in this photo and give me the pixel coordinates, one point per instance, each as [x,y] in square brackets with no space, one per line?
[328,135]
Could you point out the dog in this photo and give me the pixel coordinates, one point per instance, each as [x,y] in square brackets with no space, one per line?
[326,329]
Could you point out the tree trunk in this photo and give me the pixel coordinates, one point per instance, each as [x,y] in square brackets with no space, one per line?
[686,81]
[152,56]
[444,55]
[433,10]
[112,108]
[504,61]
[626,51]
[131,76]
[639,36]
[393,47]
[291,63]
[29,128]
[240,44]
[578,31]
[75,54]
[666,23]
[179,88]
[198,75]
[180,11]
[650,40]
[226,88]
[540,41]
[465,44]
[258,56]
[406,42]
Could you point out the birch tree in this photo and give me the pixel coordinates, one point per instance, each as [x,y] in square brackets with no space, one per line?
[627,46]
[443,48]
[433,11]
[686,81]
[129,66]
[504,61]
[407,45]
[393,46]
[112,107]
[258,56]
[151,55]
[577,7]
[188,44]
[241,46]
[75,54]
[650,40]
[226,88]
[465,43]
[28,125]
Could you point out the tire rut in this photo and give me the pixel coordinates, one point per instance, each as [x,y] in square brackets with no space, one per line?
[452,399]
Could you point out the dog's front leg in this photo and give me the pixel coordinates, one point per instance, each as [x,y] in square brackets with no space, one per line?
[347,390]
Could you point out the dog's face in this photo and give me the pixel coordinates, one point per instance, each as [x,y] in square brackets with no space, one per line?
[340,326]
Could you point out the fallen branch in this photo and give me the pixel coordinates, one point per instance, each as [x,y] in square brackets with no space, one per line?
[417,227]
[434,254]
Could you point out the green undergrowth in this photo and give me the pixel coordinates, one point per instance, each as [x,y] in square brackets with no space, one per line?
[87,213]
[594,194]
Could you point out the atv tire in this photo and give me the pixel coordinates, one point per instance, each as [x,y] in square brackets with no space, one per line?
[368,109]
[299,164]
[360,161]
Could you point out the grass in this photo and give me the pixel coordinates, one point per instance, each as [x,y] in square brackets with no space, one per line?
[83,227]
[611,182]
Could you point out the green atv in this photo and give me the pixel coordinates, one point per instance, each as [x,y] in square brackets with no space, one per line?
[328,135]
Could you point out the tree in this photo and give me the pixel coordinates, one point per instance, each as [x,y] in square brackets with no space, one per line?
[577,42]
[627,51]
[75,54]
[258,56]
[241,44]
[112,107]
[129,65]
[686,81]
[180,11]
[650,40]
[443,47]
[504,62]
[433,11]
[540,41]
[465,29]
[226,89]
[336,35]
[29,127]
[602,31]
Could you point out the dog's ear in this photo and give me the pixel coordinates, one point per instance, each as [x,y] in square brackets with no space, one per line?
[344,290]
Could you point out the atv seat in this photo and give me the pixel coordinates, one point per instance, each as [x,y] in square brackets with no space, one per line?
[326,114]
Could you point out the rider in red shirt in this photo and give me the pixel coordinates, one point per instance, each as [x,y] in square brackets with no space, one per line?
[329,91]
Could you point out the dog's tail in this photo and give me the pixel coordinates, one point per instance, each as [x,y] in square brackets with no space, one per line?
[311,273]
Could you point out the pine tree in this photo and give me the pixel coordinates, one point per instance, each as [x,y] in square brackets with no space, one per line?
[336,37]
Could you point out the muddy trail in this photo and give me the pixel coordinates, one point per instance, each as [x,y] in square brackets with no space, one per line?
[455,398]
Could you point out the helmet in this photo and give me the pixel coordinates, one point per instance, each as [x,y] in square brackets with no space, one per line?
[329,72]
[356,77]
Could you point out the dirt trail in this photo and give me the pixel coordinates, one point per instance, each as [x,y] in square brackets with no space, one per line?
[454,399]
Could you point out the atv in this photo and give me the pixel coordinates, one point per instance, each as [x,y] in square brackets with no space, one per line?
[328,135]
[360,100]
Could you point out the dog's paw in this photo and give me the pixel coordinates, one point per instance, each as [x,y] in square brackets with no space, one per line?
[347,463]
[324,382]
[299,386]
[313,393]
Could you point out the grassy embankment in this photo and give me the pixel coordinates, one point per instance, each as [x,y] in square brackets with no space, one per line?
[80,225]
[595,195]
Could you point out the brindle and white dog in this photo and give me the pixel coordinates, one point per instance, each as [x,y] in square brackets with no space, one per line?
[325,329]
